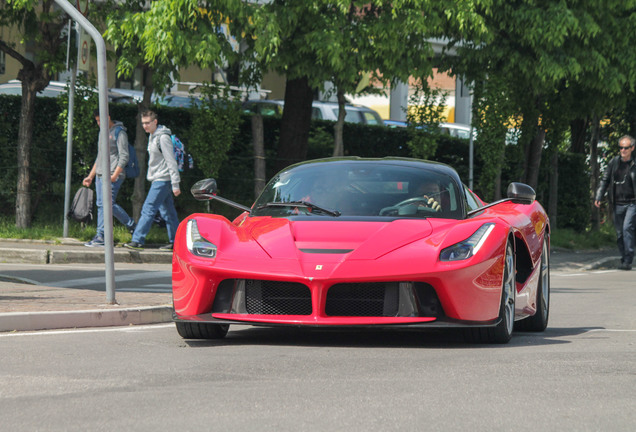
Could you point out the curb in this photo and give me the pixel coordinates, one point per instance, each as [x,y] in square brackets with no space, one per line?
[604,263]
[88,256]
[23,256]
[30,321]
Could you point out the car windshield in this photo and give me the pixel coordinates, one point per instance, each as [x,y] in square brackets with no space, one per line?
[360,188]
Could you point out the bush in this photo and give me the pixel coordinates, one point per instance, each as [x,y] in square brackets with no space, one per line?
[234,168]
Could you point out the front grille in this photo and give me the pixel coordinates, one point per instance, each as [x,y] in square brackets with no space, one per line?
[277,298]
[363,299]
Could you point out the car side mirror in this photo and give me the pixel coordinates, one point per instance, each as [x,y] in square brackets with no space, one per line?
[203,190]
[521,193]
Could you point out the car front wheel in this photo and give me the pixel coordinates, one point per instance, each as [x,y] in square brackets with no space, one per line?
[502,332]
[195,330]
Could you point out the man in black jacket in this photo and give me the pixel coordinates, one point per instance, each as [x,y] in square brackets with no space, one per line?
[619,181]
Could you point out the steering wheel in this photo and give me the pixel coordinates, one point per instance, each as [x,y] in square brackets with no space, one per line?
[424,202]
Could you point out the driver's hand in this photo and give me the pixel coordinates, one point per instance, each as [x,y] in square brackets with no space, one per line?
[432,203]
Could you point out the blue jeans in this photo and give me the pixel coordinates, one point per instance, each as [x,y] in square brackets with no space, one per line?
[625,225]
[119,213]
[159,198]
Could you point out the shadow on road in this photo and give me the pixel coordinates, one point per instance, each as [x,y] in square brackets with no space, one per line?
[436,338]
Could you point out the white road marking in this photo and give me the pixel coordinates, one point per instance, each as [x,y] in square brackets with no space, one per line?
[146,290]
[611,330]
[559,274]
[129,328]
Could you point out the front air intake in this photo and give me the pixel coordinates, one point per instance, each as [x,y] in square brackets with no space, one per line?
[264,297]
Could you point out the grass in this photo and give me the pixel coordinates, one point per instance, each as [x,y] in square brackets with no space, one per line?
[570,239]
[54,232]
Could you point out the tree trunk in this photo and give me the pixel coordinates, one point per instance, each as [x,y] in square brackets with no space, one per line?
[338,144]
[25,134]
[578,129]
[533,151]
[594,177]
[553,198]
[33,80]
[294,129]
[502,158]
[259,154]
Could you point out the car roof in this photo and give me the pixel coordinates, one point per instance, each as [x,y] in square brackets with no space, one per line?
[56,89]
[321,108]
[389,160]
[160,99]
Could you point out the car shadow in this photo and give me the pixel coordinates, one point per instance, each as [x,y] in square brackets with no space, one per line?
[374,338]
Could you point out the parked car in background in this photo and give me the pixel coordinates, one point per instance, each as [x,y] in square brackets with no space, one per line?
[264,107]
[56,89]
[320,110]
[395,123]
[453,129]
[456,130]
[171,100]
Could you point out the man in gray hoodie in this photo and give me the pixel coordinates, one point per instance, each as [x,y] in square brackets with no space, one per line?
[163,173]
[118,145]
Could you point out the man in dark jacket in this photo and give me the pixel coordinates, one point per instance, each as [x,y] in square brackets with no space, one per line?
[619,181]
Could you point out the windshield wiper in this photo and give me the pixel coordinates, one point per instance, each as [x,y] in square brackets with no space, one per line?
[307,204]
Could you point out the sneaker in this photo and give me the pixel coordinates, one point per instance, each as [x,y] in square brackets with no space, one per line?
[134,245]
[625,266]
[131,229]
[167,247]
[96,242]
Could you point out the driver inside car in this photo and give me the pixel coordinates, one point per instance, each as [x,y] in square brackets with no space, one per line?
[429,190]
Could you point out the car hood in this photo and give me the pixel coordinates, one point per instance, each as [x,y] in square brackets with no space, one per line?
[282,238]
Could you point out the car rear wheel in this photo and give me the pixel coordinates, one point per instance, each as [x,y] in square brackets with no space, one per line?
[539,321]
[195,330]
[502,332]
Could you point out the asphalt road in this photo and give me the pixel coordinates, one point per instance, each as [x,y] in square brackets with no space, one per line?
[579,375]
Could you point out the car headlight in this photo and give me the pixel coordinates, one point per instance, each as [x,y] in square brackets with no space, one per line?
[196,243]
[469,247]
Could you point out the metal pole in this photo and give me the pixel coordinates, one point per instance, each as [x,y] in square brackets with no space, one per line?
[69,149]
[69,141]
[471,151]
[471,146]
[107,199]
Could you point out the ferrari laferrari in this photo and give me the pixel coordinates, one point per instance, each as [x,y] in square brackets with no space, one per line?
[352,243]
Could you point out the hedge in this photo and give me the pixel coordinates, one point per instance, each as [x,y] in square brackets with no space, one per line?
[235,178]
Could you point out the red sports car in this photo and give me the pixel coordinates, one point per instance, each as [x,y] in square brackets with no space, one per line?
[352,243]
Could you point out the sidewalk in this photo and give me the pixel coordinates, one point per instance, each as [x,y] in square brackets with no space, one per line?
[26,307]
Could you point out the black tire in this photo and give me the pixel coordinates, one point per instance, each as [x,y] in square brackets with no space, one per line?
[539,321]
[502,332]
[195,330]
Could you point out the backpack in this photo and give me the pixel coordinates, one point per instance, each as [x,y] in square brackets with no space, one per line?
[132,167]
[82,207]
[180,154]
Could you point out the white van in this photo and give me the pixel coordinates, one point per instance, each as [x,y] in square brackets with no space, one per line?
[320,110]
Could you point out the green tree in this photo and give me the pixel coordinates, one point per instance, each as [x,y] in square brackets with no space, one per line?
[543,53]
[312,42]
[215,125]
[40,24]
[161,39]
[423,117]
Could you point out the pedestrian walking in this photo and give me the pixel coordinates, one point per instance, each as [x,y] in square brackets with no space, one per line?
[119,156]
[163,173]
[619,181]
